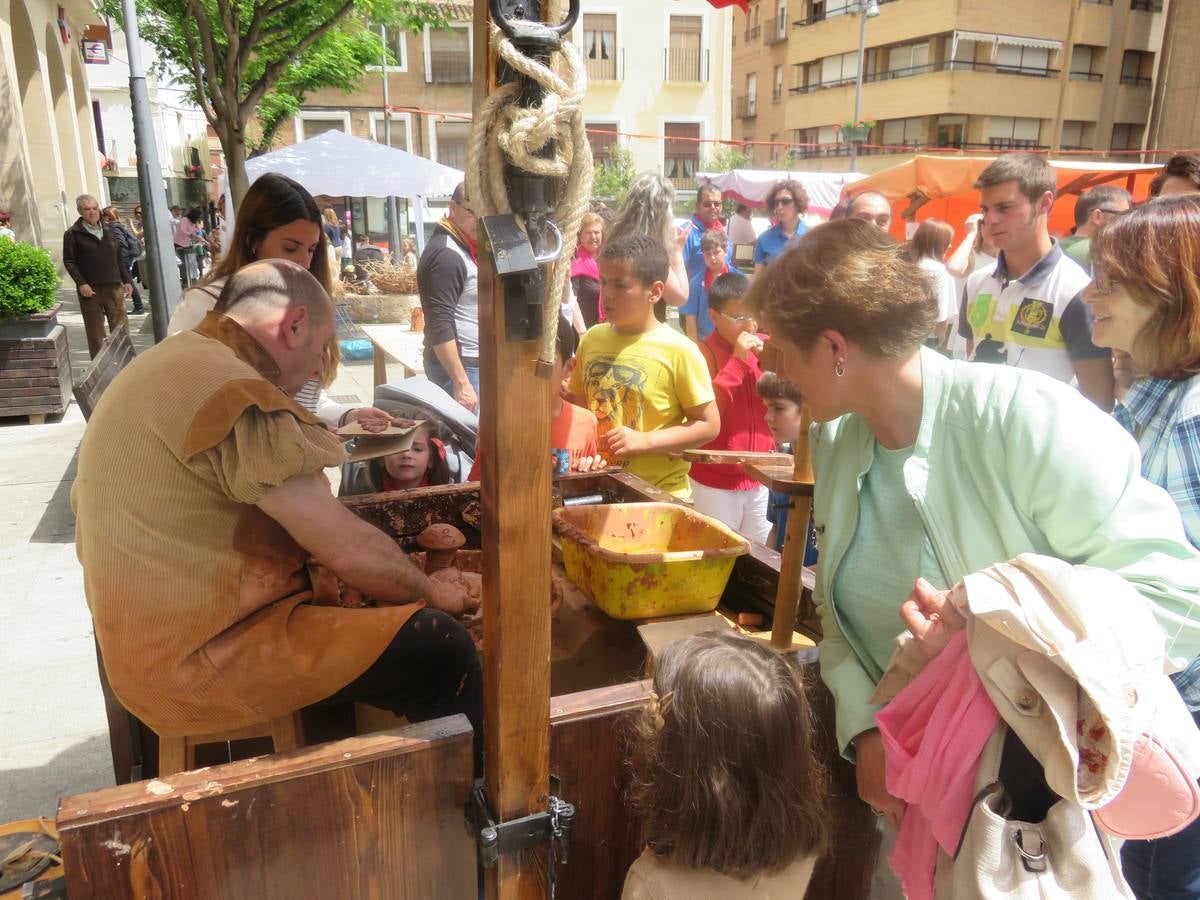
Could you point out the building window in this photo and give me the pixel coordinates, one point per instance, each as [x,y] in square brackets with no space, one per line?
[448,55]
[1076,135]
[684,48]
[839,69]
[400,130]
[960,55]
[600,45]
[752,93]
[310,124]
[951,131]
[910,59]
[1022,60]
[1137,67]
[681,153]
[1127,136]
[451,143]
[777,87]
[397,47]
[604,141]
[903,132]
[1087,63]
[1005,133]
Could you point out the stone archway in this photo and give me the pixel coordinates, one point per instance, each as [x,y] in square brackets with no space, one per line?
[41,146]
[16,177]
[69,140]
[86,126]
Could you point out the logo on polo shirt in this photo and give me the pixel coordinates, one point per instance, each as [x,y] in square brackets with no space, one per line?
[1033,318]
[980,311]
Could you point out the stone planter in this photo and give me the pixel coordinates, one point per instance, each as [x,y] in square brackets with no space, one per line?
[369,309]
[35,366]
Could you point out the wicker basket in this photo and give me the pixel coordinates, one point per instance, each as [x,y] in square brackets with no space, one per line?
[391,279]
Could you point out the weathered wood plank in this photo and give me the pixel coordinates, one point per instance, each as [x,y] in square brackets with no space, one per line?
[373,816]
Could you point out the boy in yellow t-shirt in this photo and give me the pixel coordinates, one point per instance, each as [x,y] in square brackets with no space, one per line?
[647,384]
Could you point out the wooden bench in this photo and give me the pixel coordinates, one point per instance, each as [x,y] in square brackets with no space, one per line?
[115,354]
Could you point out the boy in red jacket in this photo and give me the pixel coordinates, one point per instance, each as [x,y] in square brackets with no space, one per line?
[725,492]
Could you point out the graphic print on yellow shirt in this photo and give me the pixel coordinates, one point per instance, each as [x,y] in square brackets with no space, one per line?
[643,382]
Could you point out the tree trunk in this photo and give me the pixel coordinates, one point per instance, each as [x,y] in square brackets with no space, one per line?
[235,170]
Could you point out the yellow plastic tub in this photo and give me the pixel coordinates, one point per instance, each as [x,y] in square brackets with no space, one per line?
[643,560]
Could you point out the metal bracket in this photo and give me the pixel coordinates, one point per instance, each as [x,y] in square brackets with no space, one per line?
[493,838]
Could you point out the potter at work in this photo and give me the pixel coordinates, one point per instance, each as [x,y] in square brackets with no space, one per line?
[220,535]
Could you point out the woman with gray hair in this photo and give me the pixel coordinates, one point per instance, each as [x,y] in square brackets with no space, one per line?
[649,208]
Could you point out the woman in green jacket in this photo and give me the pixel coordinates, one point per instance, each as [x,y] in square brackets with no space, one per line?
[929,468]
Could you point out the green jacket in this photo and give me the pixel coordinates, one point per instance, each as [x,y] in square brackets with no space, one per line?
[1006,461]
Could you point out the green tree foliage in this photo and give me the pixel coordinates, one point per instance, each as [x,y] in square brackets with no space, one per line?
[249,63]
[726,158]
[615,175]
[28,279]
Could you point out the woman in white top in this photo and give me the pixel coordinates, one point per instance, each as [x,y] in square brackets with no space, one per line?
[277,219]
[927,249]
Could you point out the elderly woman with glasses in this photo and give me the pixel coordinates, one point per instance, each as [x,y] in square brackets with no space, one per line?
[786,203]
[932,469]
[1146,302]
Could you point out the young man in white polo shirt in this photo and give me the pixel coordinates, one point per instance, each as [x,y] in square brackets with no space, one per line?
[1026,310]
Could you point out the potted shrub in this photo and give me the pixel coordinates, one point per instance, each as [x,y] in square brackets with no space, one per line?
[35,360]
[857,132]
[28,291]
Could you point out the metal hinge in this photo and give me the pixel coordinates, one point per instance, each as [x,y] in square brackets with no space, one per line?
[494,838]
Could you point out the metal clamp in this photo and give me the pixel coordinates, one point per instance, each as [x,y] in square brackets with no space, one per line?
[493,838]
[549,256]
[521,30]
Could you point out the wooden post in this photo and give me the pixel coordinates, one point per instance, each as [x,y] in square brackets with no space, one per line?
[514,439]
[787,595]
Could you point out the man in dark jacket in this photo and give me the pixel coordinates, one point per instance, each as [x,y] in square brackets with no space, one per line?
[92,257]
[447,282]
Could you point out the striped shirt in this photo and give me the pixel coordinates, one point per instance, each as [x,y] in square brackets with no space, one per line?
[1164,417]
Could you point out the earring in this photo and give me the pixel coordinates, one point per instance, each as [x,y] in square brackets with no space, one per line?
[839,367]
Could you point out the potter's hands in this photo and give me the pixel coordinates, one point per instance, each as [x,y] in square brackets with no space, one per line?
[932,616]
[622,442]
[450,597]
[872,782]
[86,290]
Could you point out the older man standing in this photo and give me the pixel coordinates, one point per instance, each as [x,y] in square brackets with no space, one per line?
[197,575]
[92,257]
[447,279]
[706,218]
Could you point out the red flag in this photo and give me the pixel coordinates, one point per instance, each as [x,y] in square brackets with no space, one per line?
[740,4]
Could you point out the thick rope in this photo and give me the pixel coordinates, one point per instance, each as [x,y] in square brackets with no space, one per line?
[504,132]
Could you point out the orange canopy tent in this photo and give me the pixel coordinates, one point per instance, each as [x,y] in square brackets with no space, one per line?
[940,187]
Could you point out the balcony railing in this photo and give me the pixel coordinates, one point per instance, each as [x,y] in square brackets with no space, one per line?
[684,183]
[845,149]
[832,14]
[450,67]
[751,34]
[604,69]
[746,107]
[775,31]
[1146,6]
[1087,76]
[684,64]
[1136,79]
[954,65]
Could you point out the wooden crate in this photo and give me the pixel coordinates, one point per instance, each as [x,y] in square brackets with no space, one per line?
[35,375]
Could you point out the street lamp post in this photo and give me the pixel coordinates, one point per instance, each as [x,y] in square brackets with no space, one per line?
[866,10]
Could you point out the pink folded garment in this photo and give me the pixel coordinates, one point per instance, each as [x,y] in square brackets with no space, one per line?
[933,732]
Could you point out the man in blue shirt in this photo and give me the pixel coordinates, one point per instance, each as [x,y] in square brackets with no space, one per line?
[706,218]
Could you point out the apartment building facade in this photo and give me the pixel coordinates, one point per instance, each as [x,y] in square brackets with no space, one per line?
[1174,124]
[1057,75]
[658,82]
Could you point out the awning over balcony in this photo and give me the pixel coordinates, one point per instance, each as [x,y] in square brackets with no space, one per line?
[1011,40]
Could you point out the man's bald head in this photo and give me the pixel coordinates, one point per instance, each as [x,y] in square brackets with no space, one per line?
[269,287]
[286,310]
[871,206]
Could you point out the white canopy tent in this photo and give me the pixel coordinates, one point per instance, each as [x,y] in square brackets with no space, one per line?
[750,186]
[339,164]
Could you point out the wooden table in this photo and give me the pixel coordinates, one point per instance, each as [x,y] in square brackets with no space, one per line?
[404,346]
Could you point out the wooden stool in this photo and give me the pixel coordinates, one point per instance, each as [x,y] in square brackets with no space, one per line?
[178,754]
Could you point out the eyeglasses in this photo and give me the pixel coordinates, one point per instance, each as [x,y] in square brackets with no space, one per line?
[736,320]
[1104,284]
[783,201]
